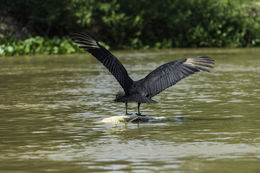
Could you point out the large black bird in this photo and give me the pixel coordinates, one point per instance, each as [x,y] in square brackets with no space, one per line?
[143,90]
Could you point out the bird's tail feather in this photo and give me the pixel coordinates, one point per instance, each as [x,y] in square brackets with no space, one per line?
[135,98]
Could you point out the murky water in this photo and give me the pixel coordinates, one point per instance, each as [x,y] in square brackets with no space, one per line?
[50,106]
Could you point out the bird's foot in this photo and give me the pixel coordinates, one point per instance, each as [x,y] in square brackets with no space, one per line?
[139,114]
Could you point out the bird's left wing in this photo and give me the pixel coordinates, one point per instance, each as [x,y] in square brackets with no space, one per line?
[105,57]
[170,73]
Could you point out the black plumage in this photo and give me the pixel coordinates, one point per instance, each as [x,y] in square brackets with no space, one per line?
[143,90]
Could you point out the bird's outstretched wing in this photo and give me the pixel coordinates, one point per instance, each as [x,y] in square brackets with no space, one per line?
[170,73]
[105,57]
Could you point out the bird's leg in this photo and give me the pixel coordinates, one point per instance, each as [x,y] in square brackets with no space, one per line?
[138,107]
[126,108]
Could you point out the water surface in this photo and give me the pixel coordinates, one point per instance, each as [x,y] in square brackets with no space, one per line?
[50,107]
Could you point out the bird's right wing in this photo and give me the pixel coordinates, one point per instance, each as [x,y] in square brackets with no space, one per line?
[170,73]
[105,57]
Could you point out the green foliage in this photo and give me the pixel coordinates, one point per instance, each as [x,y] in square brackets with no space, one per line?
[134,24]
[37,45]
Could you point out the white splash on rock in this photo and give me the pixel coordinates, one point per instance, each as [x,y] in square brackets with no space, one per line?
[131,118]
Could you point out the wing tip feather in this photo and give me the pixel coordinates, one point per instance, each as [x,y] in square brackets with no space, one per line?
[84,40]
[202,63]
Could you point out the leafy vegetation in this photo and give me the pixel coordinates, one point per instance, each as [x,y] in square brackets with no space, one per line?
[37,45]
[132,24]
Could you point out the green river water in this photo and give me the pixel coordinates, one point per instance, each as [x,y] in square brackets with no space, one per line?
[51,106]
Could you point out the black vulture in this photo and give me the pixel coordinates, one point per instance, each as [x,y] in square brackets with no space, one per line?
[143,90]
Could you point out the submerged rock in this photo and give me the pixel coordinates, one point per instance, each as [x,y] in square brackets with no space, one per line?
[134,118]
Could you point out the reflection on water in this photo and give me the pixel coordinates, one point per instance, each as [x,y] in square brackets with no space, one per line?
[50,106]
